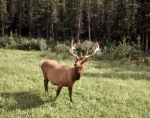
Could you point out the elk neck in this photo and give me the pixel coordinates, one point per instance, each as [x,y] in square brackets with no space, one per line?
[78,72]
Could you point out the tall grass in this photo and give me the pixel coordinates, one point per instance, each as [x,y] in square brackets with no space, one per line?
[107,89]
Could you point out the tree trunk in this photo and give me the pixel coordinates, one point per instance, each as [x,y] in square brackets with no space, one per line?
[52,21]
[29,19]
[20,17]
[131,21]
[71,31]
[79,21]
[2,15]
[38,32]
[89,20]
[108,25]
[47,20]
[11,13]
[146,43]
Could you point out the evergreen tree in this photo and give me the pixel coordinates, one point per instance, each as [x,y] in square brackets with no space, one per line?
[70,18]
[143,22]
[121,26]
[79,16]
[61,28]
[95,16]
[4,21]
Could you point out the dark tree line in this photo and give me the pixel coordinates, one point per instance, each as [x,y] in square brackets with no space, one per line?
[103,20]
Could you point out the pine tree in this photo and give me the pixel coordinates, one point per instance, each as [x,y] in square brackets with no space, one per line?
[121,26]
[4,16]
[70,17]
[143,22]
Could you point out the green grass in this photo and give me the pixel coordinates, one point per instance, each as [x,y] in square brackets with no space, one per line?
[107,89]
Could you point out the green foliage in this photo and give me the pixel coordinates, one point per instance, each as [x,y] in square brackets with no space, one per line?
[109,53]
[8,42]
[122,50]
[22,43]
[125,52]
[42,44]
[85,46]
[28,44]
[11,38]
[4,40]
[33,44]
[136,54]
[62,50]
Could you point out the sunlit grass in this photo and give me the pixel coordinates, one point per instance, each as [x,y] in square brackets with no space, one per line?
[107,89]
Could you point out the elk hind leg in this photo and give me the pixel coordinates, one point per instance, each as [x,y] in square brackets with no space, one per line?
[70,93]
[46,84]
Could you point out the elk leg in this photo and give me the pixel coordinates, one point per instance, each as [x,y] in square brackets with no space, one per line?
[58,91]
[70,93]
[46,84]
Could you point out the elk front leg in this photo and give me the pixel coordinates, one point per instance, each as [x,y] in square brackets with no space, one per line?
[58,91]
[46,84]
[70,93]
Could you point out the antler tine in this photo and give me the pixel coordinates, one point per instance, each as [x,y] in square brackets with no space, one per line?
[85,54]
[95,50]
[72,48]
[81,54]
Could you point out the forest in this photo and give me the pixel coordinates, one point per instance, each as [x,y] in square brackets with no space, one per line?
[115,81]
[106,21]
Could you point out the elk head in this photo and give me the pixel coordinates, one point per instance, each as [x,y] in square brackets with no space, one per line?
[80,61]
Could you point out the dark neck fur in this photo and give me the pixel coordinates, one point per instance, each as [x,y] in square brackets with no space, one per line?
[78,72]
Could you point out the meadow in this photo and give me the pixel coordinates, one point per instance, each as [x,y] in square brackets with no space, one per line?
[107,89]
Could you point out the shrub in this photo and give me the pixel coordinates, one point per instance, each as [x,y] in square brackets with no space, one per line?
[109,52]
[85,46]
[125,52]
[136,55]
[11,39]
[32,44]
[4,41]
[122,50]
[42,44]
[62,50]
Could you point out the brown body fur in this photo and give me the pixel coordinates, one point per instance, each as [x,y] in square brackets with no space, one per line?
[60,75]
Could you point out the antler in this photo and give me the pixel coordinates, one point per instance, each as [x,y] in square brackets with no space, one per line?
[85,57]
[71,50]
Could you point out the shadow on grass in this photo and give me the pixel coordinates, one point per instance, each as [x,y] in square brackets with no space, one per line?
[23,100]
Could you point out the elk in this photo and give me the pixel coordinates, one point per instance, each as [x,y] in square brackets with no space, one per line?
[65,75]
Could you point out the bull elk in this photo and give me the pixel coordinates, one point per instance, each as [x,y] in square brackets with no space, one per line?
[65,75]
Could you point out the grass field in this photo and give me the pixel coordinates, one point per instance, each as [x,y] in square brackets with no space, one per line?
[107,89]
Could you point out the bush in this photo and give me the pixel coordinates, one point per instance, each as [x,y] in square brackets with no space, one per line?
[42,44]
[122,51]
[11,42]
[85,46]
[109,53]
[8,42]
[125,52]
[4,41]
[62,50]
[33,44]
[136,55]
